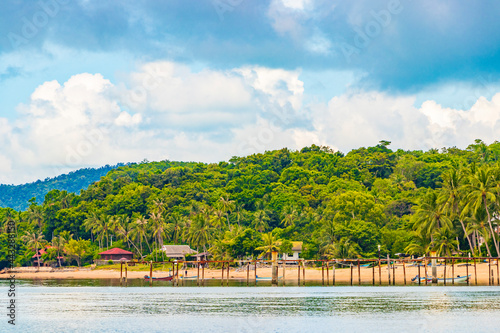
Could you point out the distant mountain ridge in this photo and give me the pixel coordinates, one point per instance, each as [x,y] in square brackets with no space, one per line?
[17,196]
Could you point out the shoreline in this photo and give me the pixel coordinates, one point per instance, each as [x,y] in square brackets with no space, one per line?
[342,275]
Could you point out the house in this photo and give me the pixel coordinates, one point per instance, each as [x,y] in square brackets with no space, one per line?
[296,251]
[116,254]
[37,257]
[177,251]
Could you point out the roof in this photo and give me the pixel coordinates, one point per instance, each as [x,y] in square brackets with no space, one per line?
[116,251]
[296,246]
[177,250]
[39,254]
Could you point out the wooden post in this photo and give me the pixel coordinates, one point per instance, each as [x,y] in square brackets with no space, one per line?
[333,274]
[173,273]
[227,276]
[467,271]
[404,271]
[298,273]
[434,267]
[303,273]
[373,275]
[452,271]
[323,273]
[444,273]
[198,274]
[425,271]
[393,273]
[284,271]
[248,272]
[121,272]
[327,273]
[203,273]
[126,274]
[419,277]
[475,271]
[351,272]
[359,273]
[177,274]
[222,278]
[498,274]
[492,282]
[389,269]
[379,272]
[490,271]
[255,271]
[274,267]
[151,273]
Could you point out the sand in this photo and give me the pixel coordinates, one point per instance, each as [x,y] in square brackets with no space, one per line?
[342,276]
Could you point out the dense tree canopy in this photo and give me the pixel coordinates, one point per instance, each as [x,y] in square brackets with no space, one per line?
[336,204]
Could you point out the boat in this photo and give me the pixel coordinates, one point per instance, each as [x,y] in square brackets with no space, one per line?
[459,278]
[165,278]
[194,277]
[266,278]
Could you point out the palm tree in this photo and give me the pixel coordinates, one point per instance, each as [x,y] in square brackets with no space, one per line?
[140,231]
[419,245]
[342,249]
[91,224]
[260,220]
[271,244]
[452,198]
[477,225]
[34,241]
[177,222]
[217,219]
[430,215]
[289,216]
[35,214]
[200,232]
[58,243]
[444,242]
[227,206]
[482,193]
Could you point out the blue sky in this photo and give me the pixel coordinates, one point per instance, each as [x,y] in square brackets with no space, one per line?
[85,83]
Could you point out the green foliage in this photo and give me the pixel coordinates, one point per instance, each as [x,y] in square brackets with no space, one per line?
[335,203]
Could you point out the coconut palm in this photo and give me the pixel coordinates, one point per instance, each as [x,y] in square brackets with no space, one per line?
[271,243]
[140,231]
[227,206]
[289,216]
[200,232]
[34,241]
[58,243]
[477,225]
[430,215]
[452,198]
[342,249]
[35,215]
[444,242]
[482,193]
[260,220]
[419,245]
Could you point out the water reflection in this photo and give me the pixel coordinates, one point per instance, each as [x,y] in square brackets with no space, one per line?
[51,305]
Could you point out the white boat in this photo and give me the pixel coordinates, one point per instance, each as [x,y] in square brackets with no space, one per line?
[459,278]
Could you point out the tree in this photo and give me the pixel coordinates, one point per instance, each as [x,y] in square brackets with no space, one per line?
[34,241]
[482,193]
[271,244]
[77,248]
[227,206]
[260,220]
[444,242]
[35,215]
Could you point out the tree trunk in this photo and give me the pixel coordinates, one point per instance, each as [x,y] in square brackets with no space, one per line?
[491,227]
[468,238]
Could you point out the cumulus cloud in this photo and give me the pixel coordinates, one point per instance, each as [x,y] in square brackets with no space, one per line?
[211,115]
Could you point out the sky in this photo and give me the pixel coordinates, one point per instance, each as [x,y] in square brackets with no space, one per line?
[85,83]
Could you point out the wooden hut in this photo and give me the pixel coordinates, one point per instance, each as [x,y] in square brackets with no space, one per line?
[116,254]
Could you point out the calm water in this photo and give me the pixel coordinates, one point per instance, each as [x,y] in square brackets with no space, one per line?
[80,306]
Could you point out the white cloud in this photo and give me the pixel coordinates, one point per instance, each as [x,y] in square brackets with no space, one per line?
[212,115]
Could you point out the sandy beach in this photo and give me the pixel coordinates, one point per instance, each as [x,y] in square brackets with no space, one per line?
[342,275]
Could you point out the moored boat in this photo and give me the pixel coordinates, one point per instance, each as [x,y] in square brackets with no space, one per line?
[459,278]
[165,278]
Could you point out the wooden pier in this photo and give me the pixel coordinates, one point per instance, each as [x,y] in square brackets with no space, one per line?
[400,271]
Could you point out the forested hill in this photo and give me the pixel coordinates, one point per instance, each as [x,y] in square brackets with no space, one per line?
[339,205]
[17,196]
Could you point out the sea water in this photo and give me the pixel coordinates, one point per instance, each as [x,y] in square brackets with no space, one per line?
[80,306]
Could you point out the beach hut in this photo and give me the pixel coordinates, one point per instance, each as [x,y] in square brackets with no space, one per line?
[296,251]
[177,251]
[116,254]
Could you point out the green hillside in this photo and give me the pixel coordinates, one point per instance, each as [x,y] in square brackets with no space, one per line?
[338,205]
[17,196]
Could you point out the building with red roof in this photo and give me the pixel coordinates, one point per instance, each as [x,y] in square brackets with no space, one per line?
[116,254]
